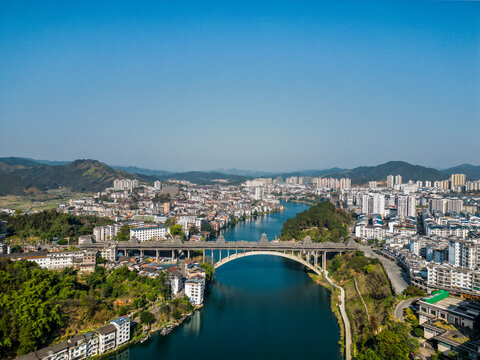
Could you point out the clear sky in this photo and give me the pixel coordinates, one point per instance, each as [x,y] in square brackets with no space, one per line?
[272,85]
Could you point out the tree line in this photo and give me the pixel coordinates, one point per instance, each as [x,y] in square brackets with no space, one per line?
[49,224]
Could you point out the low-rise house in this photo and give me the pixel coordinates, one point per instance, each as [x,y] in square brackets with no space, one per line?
[453,310]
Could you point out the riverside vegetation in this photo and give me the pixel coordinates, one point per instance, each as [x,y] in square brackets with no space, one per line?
[39,307]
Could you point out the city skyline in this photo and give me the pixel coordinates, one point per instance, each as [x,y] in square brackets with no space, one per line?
[251,85]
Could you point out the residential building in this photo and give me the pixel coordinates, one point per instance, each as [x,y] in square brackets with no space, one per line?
[451,309]
[122,324]
[106,338]
[194,289]
[148,233]
[177,282]
[457,180]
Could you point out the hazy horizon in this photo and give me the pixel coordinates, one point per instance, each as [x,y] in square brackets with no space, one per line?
[234,168]
[253,85]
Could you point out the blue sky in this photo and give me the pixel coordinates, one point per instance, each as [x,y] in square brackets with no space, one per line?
[272,85]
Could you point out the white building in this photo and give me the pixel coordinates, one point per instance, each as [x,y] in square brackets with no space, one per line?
[148,233]
[258,193]
[106,338]
[125,184]
[157,185]
[109,253]
[122,324]
[83,346]
[379,204]
[448,276]
[105,233]
[194,289]
[177,282]
[464,253]
[390,181]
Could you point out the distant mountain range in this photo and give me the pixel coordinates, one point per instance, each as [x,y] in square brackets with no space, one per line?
[23,175]
[406,170]
[136,170]
[472,172]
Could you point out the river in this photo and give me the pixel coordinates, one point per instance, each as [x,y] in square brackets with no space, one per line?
[260,307]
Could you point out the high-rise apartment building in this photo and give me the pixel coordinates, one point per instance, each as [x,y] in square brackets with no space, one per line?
[390,181]
[398,180]
[402,207]
[406,206]
[379,204]
[457,180]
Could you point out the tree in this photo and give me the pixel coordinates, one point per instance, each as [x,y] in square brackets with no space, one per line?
[176,314]
[193,230]
[177,230]
[413,290]
[208,227]
[170,222]
[123,233]
[161,198]
[209,271]
[16,249]
[146,317]
[368,269]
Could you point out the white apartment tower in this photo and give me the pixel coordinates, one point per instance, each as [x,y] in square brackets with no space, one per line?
[390,181]
[398,180]
[379,204]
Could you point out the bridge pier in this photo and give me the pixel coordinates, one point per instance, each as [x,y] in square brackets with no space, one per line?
[173,255]
[188,254]
[324,261]
[157,255]
[141,254]
[203,255]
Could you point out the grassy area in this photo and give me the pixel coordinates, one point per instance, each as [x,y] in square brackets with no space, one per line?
[374,288]
[48,200]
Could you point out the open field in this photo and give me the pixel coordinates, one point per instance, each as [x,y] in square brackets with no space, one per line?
[48,200]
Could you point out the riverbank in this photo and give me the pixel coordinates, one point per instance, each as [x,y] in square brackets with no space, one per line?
[297,323]
[337,305]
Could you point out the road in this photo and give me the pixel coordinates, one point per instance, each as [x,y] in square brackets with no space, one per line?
[402,305]
[395,273]
[346,322]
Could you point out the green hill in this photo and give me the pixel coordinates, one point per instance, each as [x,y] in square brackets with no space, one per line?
[20,176]
[322,222]
[472,172]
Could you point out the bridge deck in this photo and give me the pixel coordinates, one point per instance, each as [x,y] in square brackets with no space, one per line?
[216,245]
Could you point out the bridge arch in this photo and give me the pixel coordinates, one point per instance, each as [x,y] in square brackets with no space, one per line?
[273,253]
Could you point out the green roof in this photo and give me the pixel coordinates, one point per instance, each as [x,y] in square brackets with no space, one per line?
[437,296]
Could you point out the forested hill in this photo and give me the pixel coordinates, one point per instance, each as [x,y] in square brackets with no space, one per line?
[322,222]
[20,176]
[38,306]
[380,172]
